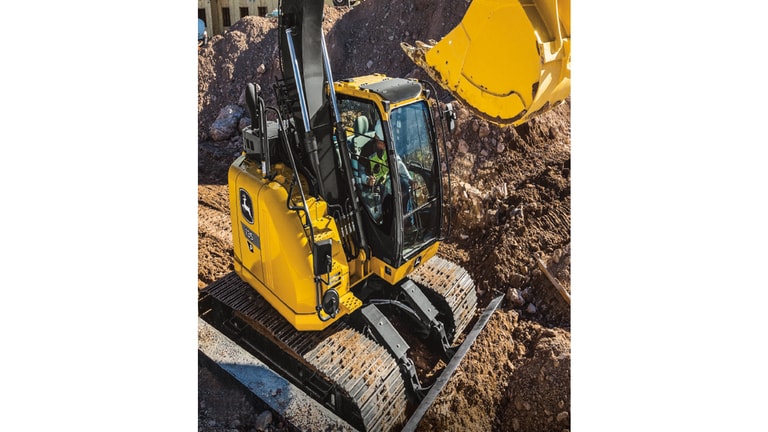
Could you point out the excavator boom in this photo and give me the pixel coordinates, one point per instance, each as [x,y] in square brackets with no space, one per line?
[508,60]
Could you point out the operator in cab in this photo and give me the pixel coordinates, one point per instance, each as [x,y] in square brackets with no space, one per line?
[374,153]
[376,169]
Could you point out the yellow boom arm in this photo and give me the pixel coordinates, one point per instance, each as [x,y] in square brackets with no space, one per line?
[508,59]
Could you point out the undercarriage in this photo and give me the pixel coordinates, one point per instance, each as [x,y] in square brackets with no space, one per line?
[360,368]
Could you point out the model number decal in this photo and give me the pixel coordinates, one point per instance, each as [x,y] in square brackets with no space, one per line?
[251,236]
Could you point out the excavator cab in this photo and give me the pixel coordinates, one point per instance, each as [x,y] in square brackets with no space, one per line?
[398,183]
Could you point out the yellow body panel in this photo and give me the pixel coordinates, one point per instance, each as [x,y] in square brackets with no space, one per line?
[273,253]
[508,59]
[394,275]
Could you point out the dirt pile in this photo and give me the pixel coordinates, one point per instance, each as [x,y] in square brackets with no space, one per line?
[247,53]
[367,38]
[510,194]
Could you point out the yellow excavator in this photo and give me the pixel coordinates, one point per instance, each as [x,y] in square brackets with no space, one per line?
[337,209]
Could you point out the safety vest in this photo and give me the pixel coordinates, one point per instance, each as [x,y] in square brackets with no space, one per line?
[379,166]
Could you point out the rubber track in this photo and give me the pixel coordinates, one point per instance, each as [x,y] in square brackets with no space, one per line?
[340,354]
[453,285]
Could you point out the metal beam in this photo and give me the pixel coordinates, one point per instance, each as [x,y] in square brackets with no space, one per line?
[283,397]
[449,370]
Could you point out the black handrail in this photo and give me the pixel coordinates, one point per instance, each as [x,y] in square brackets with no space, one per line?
[295,180]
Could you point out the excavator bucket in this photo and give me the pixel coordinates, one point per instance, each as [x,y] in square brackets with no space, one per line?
[509,60]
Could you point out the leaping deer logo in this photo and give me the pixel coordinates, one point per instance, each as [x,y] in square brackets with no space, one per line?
[245,206]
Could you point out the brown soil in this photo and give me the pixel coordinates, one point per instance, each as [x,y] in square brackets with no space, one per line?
[511,196]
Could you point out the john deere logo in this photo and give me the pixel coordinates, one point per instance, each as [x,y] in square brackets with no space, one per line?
[246,206]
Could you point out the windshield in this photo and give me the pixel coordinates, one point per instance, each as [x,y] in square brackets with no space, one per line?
[418,173]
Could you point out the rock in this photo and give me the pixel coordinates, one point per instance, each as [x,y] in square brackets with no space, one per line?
[463,147]
[557,255]
[484,130]
[563,417]
[260,70]
[226,123]
[369,64]
[515,298]
[263,421]
[514,316]
[527,295]
[471,199]
[515,424]
[531,309]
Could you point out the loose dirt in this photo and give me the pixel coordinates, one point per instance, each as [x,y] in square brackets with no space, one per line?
[510,189]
